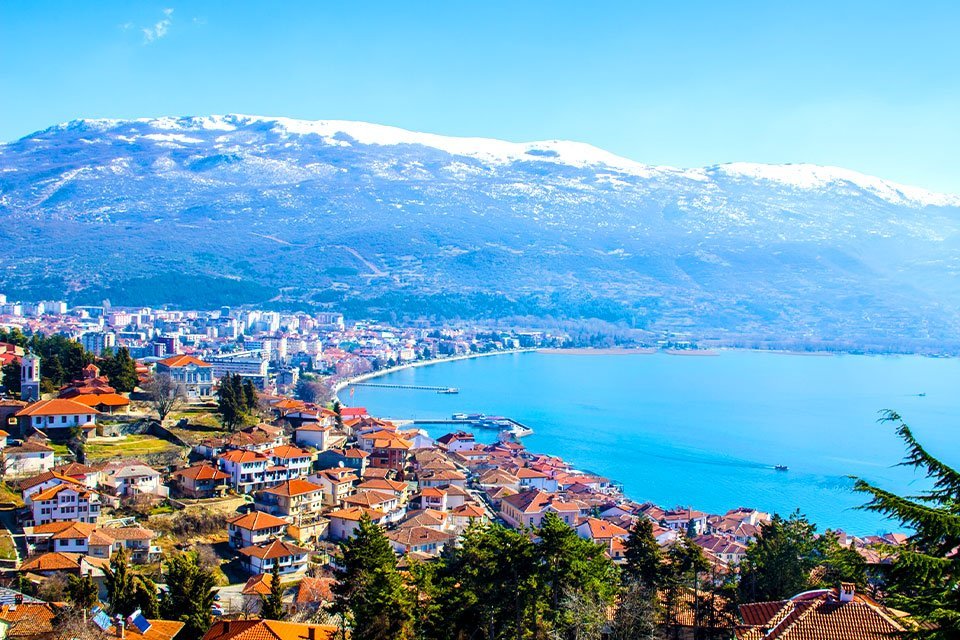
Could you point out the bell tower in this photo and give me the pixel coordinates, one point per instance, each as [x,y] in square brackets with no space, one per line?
[30,377]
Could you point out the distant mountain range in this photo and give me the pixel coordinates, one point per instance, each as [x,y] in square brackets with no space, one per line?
[228,209]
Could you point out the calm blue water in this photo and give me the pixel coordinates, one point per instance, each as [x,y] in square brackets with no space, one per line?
[705,431]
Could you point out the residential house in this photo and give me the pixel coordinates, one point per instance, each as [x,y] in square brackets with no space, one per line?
[440,477]
[297,461]
[269,630]
[261,558]
[247,469]
[57,417]
[354,458]
[137,541]
[830,614]
[727,549]
[254,528]
[337,484]
[457,441]
[417,539]
[344,522]
[526,509]
[377,501]
[65,502]
[466,514]
[298,500]
[194,374]
[534,479]
[602,532]
[128,478]
[313,434]
[201,481]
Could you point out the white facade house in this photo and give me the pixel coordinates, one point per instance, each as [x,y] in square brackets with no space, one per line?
[28,459]
[254,528]
[57,415]
[65,502]
[130,479]
[314,435]
[262,557]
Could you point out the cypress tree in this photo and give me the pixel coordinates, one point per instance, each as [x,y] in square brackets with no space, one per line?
[271,605]
[121,585]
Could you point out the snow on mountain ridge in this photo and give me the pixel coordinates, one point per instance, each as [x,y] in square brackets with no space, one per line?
[491,150]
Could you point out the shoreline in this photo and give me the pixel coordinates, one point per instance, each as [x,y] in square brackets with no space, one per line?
[363,377]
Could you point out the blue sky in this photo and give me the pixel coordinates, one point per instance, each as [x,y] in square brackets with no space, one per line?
[870,86]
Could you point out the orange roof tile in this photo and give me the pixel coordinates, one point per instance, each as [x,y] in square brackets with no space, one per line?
[257,521]
[56,407]
[182,361]
[268,630]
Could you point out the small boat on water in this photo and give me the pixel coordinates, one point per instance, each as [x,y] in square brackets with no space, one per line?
[449,390]
[781,467]
[459,416]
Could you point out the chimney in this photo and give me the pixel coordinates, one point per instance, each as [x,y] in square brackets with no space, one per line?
[312,632]
[847,591]
[121,626]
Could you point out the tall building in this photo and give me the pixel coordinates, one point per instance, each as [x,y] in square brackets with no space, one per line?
[30,378]
[97,341]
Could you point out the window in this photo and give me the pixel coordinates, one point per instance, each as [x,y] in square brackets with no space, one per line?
[63,419]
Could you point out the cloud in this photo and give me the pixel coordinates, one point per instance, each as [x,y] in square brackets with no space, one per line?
[160,29]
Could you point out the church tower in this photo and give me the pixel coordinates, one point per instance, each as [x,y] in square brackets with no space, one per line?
[30,377]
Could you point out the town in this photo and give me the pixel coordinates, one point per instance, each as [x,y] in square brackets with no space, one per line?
[134,436]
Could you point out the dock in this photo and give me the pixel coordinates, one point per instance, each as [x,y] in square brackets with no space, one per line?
[417,387]
[511,426]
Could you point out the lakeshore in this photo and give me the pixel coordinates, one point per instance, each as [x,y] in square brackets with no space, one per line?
[346,382]
[707,432]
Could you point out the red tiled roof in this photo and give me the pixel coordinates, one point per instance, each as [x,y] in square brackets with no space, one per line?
[295,487]
[56,407]
[257,521]
[268,630]
[182,361]
[273,549]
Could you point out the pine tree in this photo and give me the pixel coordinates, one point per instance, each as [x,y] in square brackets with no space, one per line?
[271,605]
[369,593]
[925,579]
[122,371]
[644,559]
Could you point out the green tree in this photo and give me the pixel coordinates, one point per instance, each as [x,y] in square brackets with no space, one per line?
[369,593]
[338,410]
[11,377]
[145,595]
[121,584]
[82,591]
[685,565]
[571,568]
[230,401]
[271,605]
[120,369]
[925,577]
[644,558]
[841,564]
[190,593]
[490,585]
[778,563]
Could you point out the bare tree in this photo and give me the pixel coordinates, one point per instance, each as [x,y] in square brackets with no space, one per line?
[164,394]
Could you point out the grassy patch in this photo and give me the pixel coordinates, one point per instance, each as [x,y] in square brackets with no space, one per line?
[9,495]
[134,445]
[7,549]
[61,450]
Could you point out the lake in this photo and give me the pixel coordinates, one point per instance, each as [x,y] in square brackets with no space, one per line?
[706,431]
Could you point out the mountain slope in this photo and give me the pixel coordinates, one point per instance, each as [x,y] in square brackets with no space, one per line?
[373,217]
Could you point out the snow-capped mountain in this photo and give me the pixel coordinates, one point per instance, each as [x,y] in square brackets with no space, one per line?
[372,216]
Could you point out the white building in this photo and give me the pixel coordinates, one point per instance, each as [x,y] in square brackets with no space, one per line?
[65,502]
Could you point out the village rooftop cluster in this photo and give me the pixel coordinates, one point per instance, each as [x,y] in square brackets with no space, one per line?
[90,470]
